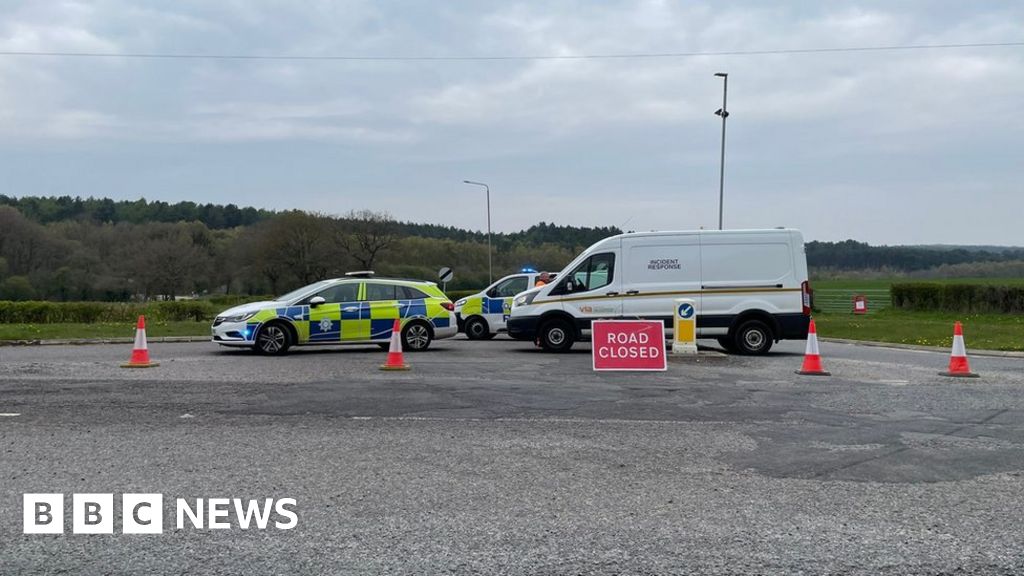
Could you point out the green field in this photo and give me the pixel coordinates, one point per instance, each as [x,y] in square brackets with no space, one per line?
[885,283]
[981,331]
[100,330]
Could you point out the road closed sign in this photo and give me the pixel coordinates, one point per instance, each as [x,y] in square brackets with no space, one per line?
[628,345]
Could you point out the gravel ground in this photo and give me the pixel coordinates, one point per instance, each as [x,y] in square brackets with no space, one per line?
[493,458]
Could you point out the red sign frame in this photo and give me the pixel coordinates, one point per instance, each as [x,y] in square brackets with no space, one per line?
[625,345]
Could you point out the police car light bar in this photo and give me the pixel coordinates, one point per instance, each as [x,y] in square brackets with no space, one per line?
[528,270]
[360,274]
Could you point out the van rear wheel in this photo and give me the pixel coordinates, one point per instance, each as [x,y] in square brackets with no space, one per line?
[727,344]
[753,337]
[557,336]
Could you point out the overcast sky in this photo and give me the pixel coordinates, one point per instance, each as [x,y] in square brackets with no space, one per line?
[922,146]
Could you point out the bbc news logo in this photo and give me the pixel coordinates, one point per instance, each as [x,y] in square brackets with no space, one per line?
[144,514]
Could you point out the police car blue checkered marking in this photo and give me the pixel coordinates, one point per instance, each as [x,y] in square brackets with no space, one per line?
[411,308]
[494,305]
[325,330]
[381,329]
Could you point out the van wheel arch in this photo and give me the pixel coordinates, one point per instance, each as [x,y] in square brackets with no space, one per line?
[748,332]
[761,315]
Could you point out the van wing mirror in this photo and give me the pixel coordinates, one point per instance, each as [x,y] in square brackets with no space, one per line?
[316,301]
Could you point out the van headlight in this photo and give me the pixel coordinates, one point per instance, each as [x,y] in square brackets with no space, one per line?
[525,299]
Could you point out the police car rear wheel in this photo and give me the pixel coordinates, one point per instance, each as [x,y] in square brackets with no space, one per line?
[557,336]
[273,340]
[477,329]
[416,336]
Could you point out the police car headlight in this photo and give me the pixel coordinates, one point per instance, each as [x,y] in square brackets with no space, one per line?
[525,299]
[238,318]
[460,302]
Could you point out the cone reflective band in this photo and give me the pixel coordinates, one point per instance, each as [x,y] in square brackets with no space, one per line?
[140,351]
[958,365]
[395,360]
[812,358]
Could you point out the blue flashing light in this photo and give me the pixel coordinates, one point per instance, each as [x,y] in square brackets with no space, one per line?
[528,270]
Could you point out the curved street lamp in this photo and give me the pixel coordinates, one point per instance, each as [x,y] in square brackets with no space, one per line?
[490,274]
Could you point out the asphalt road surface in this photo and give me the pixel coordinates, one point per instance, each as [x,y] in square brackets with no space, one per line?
[495,458]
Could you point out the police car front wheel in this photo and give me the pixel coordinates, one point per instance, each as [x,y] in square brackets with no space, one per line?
[416,336]
[477,329]
[273,339]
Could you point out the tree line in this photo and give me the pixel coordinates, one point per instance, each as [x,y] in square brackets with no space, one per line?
[850,255]
[70,249]
[83,258]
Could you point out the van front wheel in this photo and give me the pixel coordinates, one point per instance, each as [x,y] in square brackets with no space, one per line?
[557,336]
[753,337]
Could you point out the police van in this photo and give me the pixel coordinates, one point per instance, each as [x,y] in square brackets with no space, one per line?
[482,315]
[750,287]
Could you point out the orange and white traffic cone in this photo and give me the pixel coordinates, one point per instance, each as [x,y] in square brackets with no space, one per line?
[140,352]
[812,359]
[395,360]
[958,366]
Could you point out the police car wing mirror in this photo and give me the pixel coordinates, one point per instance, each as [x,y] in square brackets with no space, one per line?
[316,301]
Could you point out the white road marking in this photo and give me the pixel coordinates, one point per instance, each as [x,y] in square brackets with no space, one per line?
[186,416]
[9,414]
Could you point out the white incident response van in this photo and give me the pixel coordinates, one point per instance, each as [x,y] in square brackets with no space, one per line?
[750,287]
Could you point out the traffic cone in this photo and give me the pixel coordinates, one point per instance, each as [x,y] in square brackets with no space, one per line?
[812,359]
[395,360]
[140,352]
[958,366]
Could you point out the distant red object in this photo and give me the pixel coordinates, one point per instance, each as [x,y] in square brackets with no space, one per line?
[629,345]
[860,304]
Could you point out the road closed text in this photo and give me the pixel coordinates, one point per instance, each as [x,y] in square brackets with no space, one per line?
[628,345]
[144,514]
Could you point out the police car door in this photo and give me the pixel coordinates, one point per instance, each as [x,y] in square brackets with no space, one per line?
[592,290]
[325,319]
[498,302]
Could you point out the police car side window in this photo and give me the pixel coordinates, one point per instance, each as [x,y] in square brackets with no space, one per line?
[409,293]
[510,287]
[380,291]
[341,293]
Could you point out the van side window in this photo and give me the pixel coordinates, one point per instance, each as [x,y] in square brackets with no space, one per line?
[593,273]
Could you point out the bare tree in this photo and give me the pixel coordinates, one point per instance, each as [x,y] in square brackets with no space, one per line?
[366,234]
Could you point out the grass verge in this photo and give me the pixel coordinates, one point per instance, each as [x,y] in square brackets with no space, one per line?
[981,331]
[100,330]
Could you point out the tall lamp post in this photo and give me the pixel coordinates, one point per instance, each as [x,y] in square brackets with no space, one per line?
[490,274]
[721,171]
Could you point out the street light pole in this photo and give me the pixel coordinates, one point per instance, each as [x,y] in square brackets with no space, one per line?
[490,273]
[721,170]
